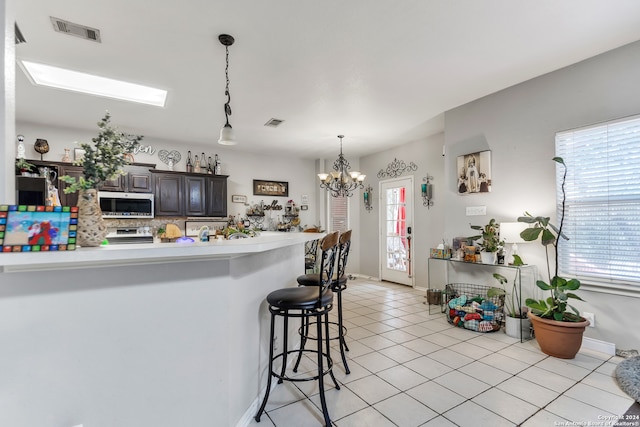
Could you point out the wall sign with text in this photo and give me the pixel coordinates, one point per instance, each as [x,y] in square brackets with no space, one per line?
[270,188]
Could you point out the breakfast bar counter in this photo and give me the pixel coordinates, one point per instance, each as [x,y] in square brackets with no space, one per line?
[156,335]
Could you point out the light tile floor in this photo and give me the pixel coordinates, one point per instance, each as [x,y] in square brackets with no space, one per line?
[410,368]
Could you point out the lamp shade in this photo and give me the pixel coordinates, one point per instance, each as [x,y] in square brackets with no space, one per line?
[510,231]
[227,136]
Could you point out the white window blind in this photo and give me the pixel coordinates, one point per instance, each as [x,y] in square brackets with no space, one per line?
[602,213]
[338,214]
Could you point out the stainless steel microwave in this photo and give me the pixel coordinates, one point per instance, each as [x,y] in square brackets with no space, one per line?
[125,205]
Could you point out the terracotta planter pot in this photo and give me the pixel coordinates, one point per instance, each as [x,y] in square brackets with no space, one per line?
[558,339]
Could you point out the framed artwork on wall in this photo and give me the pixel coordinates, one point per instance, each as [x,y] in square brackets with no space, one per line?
[270,188]
[474,173]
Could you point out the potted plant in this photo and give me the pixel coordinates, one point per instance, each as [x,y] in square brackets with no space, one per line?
[102,160]
[22,166]
[491,243]
[557,325]
[516,322]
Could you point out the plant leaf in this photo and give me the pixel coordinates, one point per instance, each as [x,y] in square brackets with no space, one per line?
[542,285]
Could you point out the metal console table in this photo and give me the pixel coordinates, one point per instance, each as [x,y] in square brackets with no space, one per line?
[435,291]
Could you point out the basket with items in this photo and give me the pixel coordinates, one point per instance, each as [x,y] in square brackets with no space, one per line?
[469,307]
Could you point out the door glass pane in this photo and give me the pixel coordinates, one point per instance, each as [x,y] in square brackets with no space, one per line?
[396,229]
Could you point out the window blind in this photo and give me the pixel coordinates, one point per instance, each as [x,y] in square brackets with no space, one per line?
[602,210]
[338,214]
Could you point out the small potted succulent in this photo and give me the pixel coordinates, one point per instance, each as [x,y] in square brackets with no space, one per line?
[23,167]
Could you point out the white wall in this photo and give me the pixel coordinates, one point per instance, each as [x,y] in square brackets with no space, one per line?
[428,224]
[8,102]
[518,125]
[241,167]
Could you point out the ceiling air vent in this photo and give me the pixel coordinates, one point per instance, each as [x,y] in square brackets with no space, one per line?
[77,30]
[274,123]
[19,37]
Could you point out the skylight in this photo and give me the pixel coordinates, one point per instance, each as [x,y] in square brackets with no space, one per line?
[61,78]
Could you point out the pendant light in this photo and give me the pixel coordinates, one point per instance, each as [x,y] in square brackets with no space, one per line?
[227,136]
[341,182]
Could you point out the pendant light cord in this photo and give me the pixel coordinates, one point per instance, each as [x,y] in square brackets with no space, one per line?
[227,105]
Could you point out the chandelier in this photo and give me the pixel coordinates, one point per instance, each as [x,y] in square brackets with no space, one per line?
[341,182]
[227,136]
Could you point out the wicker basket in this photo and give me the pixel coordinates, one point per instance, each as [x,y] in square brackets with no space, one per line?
[469,307]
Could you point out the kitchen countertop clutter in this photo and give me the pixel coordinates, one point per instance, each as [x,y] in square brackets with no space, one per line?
[150,253]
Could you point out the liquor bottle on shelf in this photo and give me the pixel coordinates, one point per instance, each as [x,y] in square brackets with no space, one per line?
[196,168]
[217,166]
[189,164]
[209,166]
[203,164]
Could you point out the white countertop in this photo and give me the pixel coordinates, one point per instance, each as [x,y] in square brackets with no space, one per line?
[150,253]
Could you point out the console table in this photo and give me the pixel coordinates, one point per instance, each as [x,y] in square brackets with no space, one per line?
[472,269]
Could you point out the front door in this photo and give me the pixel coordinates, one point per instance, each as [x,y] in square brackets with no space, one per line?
[396,213]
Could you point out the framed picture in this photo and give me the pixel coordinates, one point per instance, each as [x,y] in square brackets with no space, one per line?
[78,153]
[30,228]
[238,199]
[270,188]
[474,173]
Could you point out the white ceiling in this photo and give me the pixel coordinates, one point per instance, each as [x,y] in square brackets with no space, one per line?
[381,72]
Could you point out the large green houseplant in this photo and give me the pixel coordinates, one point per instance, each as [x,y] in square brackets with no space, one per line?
[554,312]
[102,160]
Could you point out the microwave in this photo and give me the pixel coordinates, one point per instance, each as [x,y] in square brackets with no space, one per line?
[125,205]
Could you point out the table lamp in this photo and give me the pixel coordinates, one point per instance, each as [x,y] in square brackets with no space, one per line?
[510,233]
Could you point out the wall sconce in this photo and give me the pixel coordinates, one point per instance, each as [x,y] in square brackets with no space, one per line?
[427,191]
[367,198]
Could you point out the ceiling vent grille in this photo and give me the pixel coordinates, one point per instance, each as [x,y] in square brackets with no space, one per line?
[19,37]
[274,123]
[77,30]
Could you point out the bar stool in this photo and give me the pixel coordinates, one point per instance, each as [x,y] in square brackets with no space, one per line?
[338,284]
[310,255]
[306,302]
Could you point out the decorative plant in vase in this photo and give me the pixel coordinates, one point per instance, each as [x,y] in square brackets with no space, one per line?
[491,242]
[554,313]
[516,322]
[22,166]
[102,161]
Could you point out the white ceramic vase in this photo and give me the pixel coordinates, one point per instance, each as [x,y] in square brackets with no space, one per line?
[488,257]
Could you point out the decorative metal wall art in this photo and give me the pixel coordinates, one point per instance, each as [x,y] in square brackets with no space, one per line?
[397,168]
[170,158]
[427,191]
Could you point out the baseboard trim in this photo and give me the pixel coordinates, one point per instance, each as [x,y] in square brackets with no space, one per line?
[362,276]
[597,345]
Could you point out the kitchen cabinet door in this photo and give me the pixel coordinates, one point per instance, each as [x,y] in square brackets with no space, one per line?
[139,180]
[118,183]
[195,195]
[217,196]
[169,194]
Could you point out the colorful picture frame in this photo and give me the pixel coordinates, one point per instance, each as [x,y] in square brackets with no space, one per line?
[30,228]
[474,173]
